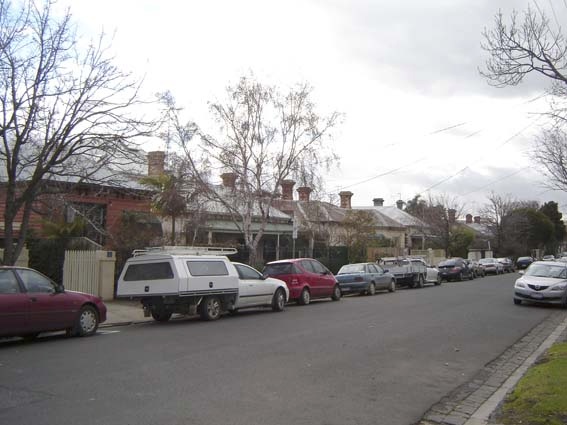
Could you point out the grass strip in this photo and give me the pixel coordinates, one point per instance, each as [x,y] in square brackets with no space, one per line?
[540,398]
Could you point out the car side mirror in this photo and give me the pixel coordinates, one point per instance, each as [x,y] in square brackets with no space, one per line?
[59,288]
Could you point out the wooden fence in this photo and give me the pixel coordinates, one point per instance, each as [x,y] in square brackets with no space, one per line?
[90,271]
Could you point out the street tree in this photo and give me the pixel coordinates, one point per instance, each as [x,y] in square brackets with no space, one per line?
[551,210]
[359,228]
[265,137]
[66,111]
[495,213]
[531,43]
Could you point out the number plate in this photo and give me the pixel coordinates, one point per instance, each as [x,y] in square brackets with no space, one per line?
[537,296]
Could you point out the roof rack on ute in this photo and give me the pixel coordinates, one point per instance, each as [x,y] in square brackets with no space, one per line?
[185,250]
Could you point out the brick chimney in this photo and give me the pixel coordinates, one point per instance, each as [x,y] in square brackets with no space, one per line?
[452,215]
[345,199]
[304,193]
[477,219]
[400,204]
[468,219]
[229,180]
[156,163]
[287,189]
[378,202]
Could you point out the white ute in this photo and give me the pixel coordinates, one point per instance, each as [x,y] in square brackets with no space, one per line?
[190,280]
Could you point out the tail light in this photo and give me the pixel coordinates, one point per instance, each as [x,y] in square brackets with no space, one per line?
[456,269]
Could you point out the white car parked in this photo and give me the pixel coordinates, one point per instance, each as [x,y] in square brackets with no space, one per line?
[542,282]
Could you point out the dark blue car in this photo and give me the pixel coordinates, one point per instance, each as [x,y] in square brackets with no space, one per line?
[364,278]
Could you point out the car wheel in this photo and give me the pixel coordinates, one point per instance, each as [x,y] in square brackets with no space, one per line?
[86,323]
[517,301]
[471,276]
[392,287]
[438,281]
[160,315]
[305,297]
[336,293]
[372,289]
[420,281]
[460,278]
[278,302]
[211,308]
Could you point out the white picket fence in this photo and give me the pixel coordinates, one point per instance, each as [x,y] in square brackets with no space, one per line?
[90,271]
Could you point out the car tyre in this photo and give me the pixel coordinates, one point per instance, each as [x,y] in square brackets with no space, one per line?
[336,293]
[460,278]
[371,289]
[305,297]
[211,308]
[86,323]
[438,281]
[392,287]
[278,302]
[517,301]
[161,315]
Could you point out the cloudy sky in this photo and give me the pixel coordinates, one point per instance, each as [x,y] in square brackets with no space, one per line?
[419,118]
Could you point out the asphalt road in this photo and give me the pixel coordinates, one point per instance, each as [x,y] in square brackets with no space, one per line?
[364,360]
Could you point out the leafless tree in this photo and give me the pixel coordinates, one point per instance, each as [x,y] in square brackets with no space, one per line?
[495,212]
[440,214]
[265,138]
[66,110]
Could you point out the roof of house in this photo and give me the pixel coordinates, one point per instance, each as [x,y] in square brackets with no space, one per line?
[392,216]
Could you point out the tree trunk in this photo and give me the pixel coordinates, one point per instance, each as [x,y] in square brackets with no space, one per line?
[173,229]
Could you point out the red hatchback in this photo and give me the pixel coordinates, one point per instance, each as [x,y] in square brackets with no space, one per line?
[306,279]
[31,303]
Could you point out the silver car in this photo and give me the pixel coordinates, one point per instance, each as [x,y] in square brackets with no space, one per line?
[542,282]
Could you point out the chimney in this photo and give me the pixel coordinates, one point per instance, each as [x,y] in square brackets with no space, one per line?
[345,199]
[477,219]
[229,180]
[304,193]
[452,215]
[378,202]
[468,219]
[400,204]
[287,189]
[156,163]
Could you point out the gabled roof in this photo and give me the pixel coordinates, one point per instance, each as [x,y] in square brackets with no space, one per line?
[392,216]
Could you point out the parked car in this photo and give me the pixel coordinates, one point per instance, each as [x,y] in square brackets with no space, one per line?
[191,280]
[433,275]
[31,303]
[364,278]
[542,282]
[305,278]
[477,268]
[455,269]
[548,257]
[507,264]
[491,265]
[523,262]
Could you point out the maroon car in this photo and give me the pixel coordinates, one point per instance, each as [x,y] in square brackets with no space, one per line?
[31,303]
[306,279]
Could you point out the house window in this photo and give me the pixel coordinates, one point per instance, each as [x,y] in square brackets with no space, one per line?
[94,216]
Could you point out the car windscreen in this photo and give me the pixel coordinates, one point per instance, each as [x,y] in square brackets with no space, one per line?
[544,270]
[352,268]
[278,269]
[449,263]
[486,260]
[524,259]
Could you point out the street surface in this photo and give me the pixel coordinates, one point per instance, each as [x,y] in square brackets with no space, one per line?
[364,360]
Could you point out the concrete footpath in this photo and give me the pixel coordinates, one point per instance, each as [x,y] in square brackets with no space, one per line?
[473,403]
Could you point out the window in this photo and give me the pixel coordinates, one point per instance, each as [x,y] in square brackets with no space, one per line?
[8,282]
[207,268]
[35,282]
[374,268]
[148,271]
[279,269]
[245,272]
[308,266]
[318,267]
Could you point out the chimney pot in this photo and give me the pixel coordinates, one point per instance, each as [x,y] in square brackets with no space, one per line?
[304,193]
[378,202]
[345,199]
[229,180]
[156,163]
[400,204]
[287,189]
[468,219]
[477,219]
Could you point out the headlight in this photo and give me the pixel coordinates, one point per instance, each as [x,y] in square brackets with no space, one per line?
[559,287]
[520,284]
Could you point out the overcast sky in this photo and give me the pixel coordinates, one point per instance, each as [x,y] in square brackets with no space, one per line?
[401,72]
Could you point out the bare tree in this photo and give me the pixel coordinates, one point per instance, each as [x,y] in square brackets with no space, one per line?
[495,213]
[266,137]
[440,214]
[66,111]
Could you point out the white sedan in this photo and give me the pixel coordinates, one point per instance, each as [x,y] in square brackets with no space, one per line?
[433,275]
[255,290]
[542,282]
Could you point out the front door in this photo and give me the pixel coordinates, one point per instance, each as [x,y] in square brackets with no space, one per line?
[252,288]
